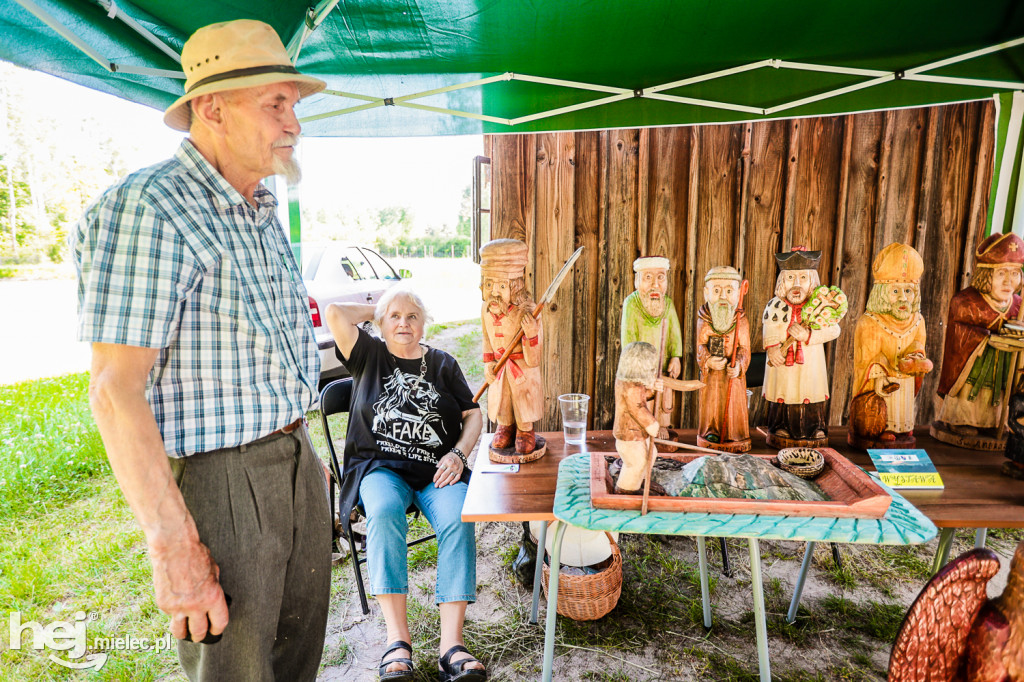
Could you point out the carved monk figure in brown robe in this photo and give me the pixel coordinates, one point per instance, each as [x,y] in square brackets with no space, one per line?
[723,355]
[889,353]
[974,373]
[635,383]
[514,399]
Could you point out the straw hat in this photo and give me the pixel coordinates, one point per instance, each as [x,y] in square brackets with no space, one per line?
[503,258]
[244,53]
[897,263]
[580,547]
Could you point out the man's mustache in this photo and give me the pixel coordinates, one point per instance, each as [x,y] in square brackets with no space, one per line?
[287,140]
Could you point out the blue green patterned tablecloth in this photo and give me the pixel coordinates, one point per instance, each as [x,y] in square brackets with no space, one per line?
[903,524]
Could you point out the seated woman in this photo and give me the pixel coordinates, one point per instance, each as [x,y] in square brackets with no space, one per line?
[412,421]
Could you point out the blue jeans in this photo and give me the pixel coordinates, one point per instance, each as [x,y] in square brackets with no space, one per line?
[385,496]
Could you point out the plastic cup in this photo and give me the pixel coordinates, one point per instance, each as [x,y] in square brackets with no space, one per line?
[574,408]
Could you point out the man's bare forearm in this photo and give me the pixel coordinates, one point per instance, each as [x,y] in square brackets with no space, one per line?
[136,453]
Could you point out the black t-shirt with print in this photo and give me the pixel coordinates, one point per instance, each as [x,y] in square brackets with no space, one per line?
[398,421]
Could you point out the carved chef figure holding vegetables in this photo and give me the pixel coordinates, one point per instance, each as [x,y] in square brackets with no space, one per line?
[796,324]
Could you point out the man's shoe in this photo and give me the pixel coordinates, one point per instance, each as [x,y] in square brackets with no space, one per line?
[526,442]
[503,436]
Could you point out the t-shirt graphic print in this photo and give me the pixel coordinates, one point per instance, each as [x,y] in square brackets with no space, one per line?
[405,418]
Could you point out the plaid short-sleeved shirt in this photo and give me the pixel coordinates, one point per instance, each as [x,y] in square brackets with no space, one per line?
[173,257]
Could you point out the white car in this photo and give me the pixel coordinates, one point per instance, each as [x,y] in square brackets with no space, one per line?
[336,272]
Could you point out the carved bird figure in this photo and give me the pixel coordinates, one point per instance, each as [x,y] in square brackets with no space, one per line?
[954,633]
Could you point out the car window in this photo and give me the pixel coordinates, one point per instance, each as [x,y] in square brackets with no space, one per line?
[354,263]
[311,256]
[384,270]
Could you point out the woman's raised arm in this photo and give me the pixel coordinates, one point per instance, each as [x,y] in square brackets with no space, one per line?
[343,319]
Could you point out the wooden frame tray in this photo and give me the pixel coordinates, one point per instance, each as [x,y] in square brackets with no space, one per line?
[854,494]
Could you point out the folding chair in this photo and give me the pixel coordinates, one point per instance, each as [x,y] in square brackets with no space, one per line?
[336,398]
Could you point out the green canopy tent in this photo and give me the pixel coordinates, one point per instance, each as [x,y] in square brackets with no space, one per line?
[441,67]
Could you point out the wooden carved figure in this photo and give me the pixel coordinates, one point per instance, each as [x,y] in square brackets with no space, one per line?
[953,631]
[889,353]
[514,398]
[797,322]
[635,381]
[723,355]
[981,340]
[648,315]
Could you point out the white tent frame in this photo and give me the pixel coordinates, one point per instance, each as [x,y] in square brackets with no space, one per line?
[614,94]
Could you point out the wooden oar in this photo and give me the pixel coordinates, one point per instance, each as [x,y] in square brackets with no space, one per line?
[686,446]
[651,452]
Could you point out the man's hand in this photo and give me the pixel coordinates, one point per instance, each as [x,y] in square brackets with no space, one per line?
[800,333]
[776,358]
[185,579]
[734,371]
[653,429]
[489,373]
[659,385]
[531,325]
[716,363]
[675,368]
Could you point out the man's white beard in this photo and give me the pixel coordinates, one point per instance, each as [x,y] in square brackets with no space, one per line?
[289,169]
[721,315]
[654,306]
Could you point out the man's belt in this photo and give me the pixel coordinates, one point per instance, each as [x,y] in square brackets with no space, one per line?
[284,430]
[511,365]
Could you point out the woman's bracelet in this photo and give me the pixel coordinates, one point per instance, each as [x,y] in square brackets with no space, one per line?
[461,456]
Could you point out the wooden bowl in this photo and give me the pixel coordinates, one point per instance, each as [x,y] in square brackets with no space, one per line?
[803,462]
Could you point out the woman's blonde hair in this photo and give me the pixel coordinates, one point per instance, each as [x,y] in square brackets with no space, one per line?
[409,295]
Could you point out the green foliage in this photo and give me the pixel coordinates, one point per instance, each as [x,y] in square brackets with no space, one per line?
[50,448]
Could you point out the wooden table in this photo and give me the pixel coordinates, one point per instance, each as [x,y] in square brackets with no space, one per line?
[976,494]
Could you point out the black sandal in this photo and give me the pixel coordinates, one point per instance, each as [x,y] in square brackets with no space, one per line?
[457,671]
[396,675]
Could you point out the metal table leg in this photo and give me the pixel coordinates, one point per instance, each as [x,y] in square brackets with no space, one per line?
[980,536]
[942,551]
[705,590]
[538,572]
[805,566]
[552,614]
[763,664]
[726,566]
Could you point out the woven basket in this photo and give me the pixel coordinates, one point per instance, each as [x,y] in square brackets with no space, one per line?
[588,597]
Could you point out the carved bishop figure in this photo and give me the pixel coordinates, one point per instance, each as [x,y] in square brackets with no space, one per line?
[889,353]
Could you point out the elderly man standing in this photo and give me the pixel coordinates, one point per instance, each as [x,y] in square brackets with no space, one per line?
[723,355]
[648,315]
[204,363]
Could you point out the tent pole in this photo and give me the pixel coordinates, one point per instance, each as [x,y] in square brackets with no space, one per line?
[65,33]
[954,80]
[113,13]
[314,17]
[967,55]
[709,76]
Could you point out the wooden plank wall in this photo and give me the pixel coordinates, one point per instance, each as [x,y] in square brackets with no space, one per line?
[736,194]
